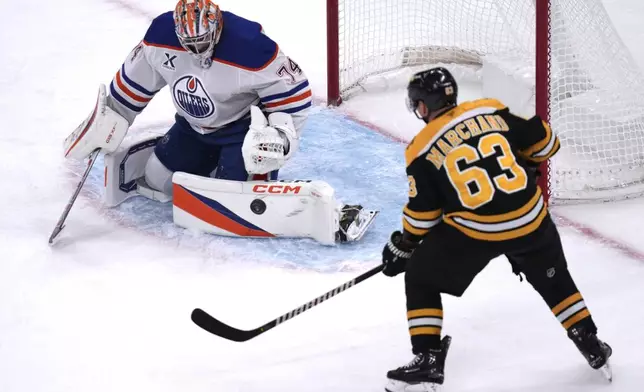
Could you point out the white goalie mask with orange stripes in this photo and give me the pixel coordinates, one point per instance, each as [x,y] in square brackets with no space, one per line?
[198,24]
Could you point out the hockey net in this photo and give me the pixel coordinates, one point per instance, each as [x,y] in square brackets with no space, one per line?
[593,91]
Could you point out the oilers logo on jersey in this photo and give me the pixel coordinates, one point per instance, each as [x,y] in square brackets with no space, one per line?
[190,95]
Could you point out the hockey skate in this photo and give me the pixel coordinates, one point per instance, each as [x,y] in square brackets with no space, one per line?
[594,350]
[354,222]
[145,190]
[425,373]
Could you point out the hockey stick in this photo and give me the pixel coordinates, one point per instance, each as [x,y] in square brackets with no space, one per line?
[216,327]
[61,221]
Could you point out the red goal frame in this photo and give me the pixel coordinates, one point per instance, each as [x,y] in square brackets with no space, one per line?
[542,82]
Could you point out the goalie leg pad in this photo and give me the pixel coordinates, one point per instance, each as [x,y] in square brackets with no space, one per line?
[256,208]
[267,209]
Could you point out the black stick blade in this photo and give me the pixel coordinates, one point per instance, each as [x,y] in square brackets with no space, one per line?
[216,327]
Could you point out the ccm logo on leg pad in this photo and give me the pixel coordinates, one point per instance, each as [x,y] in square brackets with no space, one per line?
[265,188]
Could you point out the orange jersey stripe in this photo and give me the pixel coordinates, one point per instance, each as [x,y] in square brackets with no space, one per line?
[129,92]
[289,100]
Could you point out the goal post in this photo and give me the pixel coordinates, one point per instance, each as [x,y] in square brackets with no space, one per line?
[561,59]
[542,80]
[333,52]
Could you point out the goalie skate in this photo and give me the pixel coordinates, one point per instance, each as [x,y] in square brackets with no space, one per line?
[354,222]
[145,190]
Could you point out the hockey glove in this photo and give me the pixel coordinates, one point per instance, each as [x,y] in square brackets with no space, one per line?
[268,143]
[531,167]
[535,172]
[104,128]
[395,255]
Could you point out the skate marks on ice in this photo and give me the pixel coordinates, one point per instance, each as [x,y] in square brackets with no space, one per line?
[364,167]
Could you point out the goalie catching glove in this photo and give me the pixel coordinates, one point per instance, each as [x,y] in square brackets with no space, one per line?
[396,254]
[268,144]
[103,128]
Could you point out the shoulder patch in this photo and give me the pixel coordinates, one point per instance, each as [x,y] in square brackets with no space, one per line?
[161,33]
[258,49]
[135,52]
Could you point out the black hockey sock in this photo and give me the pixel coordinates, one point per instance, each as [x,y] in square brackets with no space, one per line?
[572,312]
[545,267]
[559,291]
[425,318]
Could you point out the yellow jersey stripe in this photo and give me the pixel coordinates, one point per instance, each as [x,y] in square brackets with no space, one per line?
[504,235]
[425,331]
[576,318]
[424,313]
[424,215]
[500,217]
[563,305]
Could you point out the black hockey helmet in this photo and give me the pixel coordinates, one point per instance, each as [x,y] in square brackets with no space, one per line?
[435,87]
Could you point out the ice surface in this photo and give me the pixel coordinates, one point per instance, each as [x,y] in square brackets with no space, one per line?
[108,308]
[363,166]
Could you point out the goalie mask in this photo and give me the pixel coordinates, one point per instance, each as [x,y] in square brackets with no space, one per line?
[198,24]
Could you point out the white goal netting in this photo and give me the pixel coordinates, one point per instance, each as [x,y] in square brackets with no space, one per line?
[596,88]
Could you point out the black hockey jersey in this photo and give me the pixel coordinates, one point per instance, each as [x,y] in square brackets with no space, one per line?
[470,169]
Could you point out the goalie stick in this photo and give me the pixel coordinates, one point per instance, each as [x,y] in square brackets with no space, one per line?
[61,221]
[216,327]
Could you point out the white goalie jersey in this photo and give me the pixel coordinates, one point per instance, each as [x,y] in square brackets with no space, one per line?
[247,78]
[247,68]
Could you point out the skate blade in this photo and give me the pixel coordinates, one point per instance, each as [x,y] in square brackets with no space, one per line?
[607,372]
[400,386]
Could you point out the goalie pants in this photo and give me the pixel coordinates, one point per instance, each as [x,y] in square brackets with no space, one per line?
[447,261]
[216,154]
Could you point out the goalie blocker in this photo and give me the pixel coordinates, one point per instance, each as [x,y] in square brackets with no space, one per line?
[299,208]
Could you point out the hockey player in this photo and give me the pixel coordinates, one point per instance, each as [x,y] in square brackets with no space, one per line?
[216,65]
[225,76]
[473,197]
